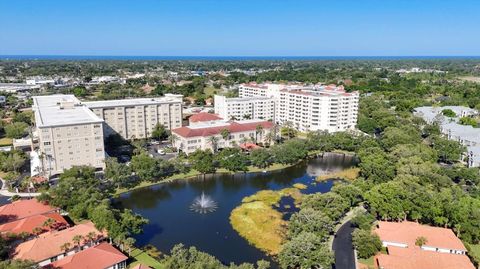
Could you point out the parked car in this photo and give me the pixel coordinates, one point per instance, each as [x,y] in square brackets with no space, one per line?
[161,151]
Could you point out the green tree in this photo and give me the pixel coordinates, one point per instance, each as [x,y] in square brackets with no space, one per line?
[468,121]
[311,220]
[159,132]
[233,159]
[203,161]
[366,243]
[16,130]
[260,158]
[118,173]
[305,250]
[449,113]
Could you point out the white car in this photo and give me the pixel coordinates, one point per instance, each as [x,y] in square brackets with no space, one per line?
[161,151]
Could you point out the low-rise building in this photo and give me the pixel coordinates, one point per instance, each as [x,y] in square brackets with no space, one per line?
[452,130]
[203,118]
[440,248]
[101,256]
[210,135]
[56,245]
[21,209]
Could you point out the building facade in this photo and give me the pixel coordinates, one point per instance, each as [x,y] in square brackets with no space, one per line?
[304,107]
[262,108]
[210,135]
[69,134]
[136,118]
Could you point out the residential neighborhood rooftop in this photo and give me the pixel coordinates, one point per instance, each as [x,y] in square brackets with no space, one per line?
[215,129]
[204,116]
[49,244]
[102,255]
[22,209]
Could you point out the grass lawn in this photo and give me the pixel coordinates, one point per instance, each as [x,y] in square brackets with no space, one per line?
[474,251]
[141,256]
[211,91]
[368,262]
[5,141]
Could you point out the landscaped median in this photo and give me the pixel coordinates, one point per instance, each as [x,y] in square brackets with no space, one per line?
[259,223]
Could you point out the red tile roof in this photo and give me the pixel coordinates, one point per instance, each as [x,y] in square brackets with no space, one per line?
[28,224]
[249,146]
[233,127]
[407,232]
[49,244]
[414,256]
[408,258]
[100,256]
[23,208]
[203,116]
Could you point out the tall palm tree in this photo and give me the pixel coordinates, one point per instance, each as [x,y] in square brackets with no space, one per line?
[213,140]
[258,131]
[48,223]
[225,135]
[269,137]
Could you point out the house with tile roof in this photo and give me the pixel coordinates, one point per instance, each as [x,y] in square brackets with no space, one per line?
[202,118]
[56,245]
[34,224]
[440,249]
[101,256]
[191,138]
[21,209]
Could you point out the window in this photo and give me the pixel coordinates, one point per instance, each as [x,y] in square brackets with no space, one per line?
[46,143]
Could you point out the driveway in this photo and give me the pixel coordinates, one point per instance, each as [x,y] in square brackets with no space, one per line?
[342,245]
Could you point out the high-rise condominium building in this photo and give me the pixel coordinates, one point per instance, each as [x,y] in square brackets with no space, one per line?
[305,107]
[136,118]
[69,134]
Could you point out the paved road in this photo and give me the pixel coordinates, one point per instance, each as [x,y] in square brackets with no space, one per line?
[342,245]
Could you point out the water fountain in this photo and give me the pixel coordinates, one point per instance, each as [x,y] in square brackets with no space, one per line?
[203,204]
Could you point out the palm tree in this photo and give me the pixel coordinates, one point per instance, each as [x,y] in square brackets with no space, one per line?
[247,116]
[173,138]
[269,137]
[42,161]
[129,243]
[258,131]
[225,134]
[37,231]
[76,240]
[49,223]
[91,236]
[213,140]
[65,247]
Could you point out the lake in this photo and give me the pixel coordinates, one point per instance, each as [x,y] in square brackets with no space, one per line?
[167,206]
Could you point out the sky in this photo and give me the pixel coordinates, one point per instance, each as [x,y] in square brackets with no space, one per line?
[240,28]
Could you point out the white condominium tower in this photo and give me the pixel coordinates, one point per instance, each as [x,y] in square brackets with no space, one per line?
[136,118]
[262,108]
[305,107]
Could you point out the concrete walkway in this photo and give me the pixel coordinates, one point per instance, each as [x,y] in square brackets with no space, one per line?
[5,192]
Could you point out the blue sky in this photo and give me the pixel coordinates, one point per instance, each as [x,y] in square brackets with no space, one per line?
[240,28]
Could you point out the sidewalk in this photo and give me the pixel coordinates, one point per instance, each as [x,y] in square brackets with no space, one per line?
[5,192]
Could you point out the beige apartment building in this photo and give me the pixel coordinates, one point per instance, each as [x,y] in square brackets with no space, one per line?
[199,136]
[136,118]
[69,134]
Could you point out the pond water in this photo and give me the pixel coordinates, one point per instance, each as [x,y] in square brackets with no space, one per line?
[171,220]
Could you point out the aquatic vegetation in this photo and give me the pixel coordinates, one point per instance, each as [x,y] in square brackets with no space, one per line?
[300,186]
[347,174]
[257,221]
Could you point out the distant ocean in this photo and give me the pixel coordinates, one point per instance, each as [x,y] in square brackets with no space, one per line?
[223,58]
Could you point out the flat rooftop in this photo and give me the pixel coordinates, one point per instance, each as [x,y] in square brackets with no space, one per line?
[134,102]
[50,113]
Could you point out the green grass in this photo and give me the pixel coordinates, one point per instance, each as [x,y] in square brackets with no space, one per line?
[142,257]
[211,91]
[370,262]
[474,251]
[6,141]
